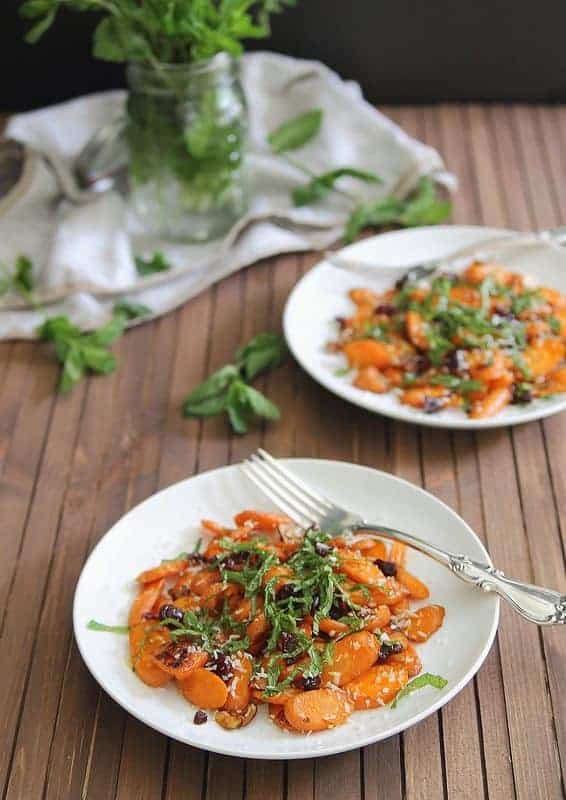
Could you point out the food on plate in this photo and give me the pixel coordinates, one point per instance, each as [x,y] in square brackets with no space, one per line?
[311,626]
[479,340]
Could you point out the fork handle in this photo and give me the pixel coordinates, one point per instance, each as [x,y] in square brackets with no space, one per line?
[535,603]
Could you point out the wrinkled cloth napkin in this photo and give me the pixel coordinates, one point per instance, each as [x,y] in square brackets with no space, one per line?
[83,252]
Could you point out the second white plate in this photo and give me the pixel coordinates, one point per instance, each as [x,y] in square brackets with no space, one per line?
[322,295]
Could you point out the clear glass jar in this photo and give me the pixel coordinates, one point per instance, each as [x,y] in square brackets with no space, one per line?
[186,134]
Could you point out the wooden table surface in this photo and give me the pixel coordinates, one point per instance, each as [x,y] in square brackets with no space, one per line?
[71,466]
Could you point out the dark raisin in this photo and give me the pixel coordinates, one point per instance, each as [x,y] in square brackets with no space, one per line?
[174,655]
[339,609]
[390,648]
[420,363]
[315,605]
[200,717]
[171,612]
[235,561]
[504,314]
[285,592]
[322,549]
[309,682]
[342,323]
[196,558]
[222,665]
[389,568]
[288,642]
[457,361]
[453,277]
[433,404]
[521,394]
[386,309]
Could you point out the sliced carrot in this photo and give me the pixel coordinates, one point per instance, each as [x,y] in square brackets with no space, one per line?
[556,382]
[332,627]
[257,628]
[493,402]
[424,622]
[378,686]
[414,586]
[203,580]
[398,553]
[277,716]
[409,659]
[389,593]
[492,371]
[165,570]
[144,602]
[544,356]
[178,660]
[378,620]
[259,520]
[364,297]
[417,395]
[368,353]
[466,296]
[204,689]
[318,710]
[370,379]
[147,639]
[278,699]
[214,528]
[416,330]
[239,692]
[353,655]
[360,569]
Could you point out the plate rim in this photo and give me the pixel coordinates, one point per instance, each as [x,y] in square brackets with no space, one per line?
[331,750]
[401,414]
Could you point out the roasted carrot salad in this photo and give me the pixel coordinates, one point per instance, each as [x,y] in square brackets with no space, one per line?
[313,627]
[478,340]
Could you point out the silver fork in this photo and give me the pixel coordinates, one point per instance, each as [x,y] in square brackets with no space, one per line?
[308,508]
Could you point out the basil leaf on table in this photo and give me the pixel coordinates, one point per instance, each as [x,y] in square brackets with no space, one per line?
[263,351]
[227,390]
[131,310]
[423,207]
[321,185]
[296,132]
[149,266]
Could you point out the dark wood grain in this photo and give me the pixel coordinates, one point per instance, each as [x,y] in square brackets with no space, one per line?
[71,466]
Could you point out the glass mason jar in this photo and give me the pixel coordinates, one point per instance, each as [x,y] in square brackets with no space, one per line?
[186,134]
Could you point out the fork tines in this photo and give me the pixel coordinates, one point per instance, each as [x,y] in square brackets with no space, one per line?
[305,506]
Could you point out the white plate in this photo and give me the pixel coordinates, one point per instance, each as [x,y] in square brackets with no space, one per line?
[168,523]
[321,296]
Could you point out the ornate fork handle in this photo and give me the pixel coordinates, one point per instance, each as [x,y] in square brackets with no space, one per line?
[535,603]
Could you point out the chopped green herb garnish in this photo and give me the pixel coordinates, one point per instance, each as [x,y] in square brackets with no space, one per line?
[426,679]
[93,625]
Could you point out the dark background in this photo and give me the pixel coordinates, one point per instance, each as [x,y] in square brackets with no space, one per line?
[400,50]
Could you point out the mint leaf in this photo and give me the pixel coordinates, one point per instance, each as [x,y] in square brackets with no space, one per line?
[73,369]
[318,187]
[149,266]
[215,385]
[296,132]
[258,404]
[93,625]
[131,310]
[81,351]
[263,351]
[426,679]
[423,207]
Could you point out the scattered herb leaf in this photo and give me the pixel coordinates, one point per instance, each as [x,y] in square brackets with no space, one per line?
[426,679]
[93,625]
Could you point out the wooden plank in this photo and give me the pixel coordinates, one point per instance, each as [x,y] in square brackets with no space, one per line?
[537,473]
[53,634]
[23,446]
[24,596]
[422,745]
[144,751]
[529,712]
[463,758]
[88,731]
